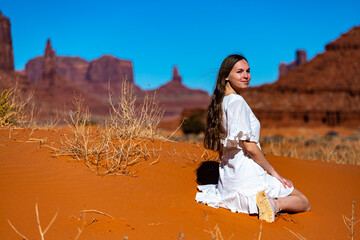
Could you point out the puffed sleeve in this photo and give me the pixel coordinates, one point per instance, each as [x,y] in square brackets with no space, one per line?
[237,124]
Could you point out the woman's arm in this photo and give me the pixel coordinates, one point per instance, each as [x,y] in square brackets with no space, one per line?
[256,154]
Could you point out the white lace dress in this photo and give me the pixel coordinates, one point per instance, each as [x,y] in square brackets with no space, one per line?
[240,178]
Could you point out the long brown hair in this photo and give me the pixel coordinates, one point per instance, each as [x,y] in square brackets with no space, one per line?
[213,129]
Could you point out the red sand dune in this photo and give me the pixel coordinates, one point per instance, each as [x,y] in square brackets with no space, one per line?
[158,203]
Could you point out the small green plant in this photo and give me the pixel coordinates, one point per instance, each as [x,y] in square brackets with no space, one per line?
[194,124]
[7,109]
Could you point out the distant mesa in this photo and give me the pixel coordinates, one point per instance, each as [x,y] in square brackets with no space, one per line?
[92,77]
[176,97]
[77,70]
[109,68]
[6,48]
[300,59]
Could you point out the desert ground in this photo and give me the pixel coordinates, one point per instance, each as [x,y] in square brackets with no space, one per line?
[158,201]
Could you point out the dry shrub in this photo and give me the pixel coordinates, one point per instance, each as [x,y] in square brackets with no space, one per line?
[125,139]
[329,148]
[16,109]
[82,143]
[128,118]
[351,222]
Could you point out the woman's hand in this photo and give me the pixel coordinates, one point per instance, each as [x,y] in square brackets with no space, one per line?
[256,154]
[285,182]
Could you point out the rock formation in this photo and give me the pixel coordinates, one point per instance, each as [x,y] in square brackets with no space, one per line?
[108,68]
[300,59]
[49,63]
[53,91]
[72,68]
[92,77]
[8,77]
[176,77]
[79,71]
[6,49]
[175,87]
[175,96]
[323,91]
[47,76]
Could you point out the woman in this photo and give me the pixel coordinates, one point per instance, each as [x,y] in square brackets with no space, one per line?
[247,181]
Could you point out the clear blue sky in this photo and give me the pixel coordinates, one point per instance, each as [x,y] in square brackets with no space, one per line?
[195,35]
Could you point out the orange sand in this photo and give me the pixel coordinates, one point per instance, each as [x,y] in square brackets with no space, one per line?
[158,203]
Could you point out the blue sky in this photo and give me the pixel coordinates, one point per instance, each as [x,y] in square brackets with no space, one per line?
[194,35]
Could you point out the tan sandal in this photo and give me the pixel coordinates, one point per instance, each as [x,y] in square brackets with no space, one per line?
[266,206]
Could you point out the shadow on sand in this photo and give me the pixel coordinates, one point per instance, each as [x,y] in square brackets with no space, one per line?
[207,173]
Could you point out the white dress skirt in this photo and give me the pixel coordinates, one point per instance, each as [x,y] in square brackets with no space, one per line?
[240,178]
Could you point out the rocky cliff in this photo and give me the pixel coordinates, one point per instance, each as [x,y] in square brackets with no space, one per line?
[108,68]
[336,69]
[325,90]
[79,71]
[6,49]
[9,78]
[72,68]
[54,93]
[92,77]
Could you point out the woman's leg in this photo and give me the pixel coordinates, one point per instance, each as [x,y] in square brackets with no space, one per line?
[295,202]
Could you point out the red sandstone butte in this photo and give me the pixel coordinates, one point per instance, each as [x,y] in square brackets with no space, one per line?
[175,96]
[6,49]
[322,91]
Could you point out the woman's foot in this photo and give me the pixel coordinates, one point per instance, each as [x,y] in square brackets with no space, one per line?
[266,206]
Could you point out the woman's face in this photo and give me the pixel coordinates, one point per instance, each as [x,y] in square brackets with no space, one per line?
[239,77]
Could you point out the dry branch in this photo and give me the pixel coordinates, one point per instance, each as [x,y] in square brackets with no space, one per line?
[20,234]
[298,235]
[98,212]
[351,222]
[42,232]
